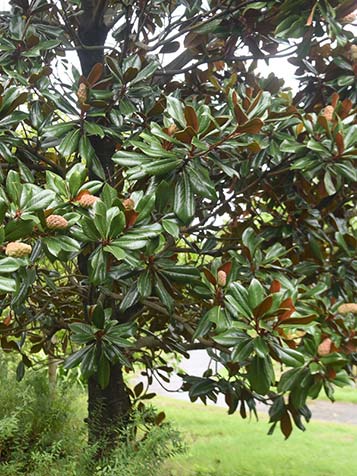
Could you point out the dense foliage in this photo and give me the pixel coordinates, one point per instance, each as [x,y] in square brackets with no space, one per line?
[39,431]
[153,205]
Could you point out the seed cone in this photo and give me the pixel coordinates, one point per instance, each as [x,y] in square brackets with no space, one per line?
[87,200]
[82,93]
[347,307]
[353,53]
[328,112]
[56,222]
[17,249]
[128,204]
[221,278]
[325,347]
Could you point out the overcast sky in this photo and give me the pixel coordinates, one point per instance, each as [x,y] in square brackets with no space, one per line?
[280,66]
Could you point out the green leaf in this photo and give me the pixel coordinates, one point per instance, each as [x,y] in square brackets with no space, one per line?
[69,143]
[20,371]
[89,361]
[203,327]
[146,206]
[98,266]
[130,298]
[116,251]
[100,219]
[9,265]
[145,284]
[57,244]
[98,316]
[230,337]
[7,285]
[87,152]
[175,110]
[256,293]
[183,274]
[82,333]
[289,379]
[115,222]
[162,293]
[317,147]
[146,72]
[39,200]
[184,201]
[161,166]
[171,227]
[238,301]
[74,359]
[289,357]
[75,177]
[261,347]
[259,373]
[243,350]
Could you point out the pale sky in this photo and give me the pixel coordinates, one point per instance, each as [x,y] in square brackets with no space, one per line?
[279,66]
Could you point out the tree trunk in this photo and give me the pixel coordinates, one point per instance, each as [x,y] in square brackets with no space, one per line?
[108,408]
[52,375]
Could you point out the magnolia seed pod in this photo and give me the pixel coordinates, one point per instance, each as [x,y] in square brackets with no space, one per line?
[172,129]
[221,278]
[17,249]
[353,53]
[328,112]
[82,93]
[325,347]
[87,200]
[128,204]
[56,222]
[347,307]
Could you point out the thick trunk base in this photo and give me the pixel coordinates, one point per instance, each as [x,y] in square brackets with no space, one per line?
[108,411]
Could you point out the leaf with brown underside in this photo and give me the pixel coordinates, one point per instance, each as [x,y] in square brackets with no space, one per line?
[263,307]
[340,143]
[286,309]
[95,73]
[334,99]
[130,217]
[346,107]
[185,135]
[252,127]
[209,276]
[286,425]
[240,115]
[275,286]
[299,320]
[191,117]
[226,267]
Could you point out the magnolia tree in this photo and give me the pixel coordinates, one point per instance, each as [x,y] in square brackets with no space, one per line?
[168,198]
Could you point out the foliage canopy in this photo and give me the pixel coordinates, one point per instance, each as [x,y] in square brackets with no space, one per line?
[161,203]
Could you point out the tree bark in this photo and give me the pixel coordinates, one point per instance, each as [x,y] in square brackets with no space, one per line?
[108,408]
[52,375]
[92,33]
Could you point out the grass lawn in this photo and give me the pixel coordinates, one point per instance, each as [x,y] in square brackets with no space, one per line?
[223,445]
[345,394]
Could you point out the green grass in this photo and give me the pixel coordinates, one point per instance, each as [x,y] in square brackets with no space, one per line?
[346,394]
[225,445]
